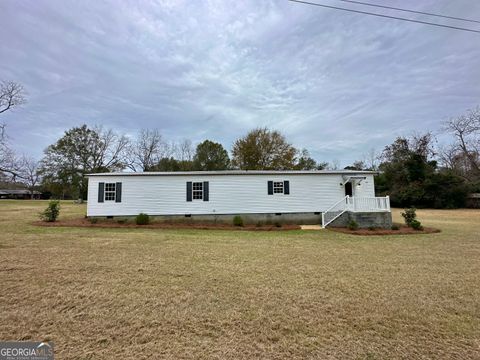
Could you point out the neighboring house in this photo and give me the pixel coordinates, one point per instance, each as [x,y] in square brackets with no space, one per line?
[327,197]
[19,194]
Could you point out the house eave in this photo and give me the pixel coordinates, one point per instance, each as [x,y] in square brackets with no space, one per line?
[238,173]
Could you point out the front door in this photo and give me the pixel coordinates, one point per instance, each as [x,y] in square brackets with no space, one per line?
[348,189]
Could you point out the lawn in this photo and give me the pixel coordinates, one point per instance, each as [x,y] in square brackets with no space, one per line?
[197,294]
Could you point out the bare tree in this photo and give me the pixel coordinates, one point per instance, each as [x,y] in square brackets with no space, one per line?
[12,94]
[371,159]
[447,156]
[334,165]
[29,173]
[9,163]
[147,150]
[111,151]
[466,131]
[452,159]
[185,150]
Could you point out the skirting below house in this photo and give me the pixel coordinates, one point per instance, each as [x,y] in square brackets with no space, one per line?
[381,219]
[307,218]
[364,219]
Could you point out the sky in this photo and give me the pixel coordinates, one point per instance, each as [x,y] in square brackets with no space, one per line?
[336,83]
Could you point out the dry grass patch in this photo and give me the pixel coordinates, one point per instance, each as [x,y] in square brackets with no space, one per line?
[139,293]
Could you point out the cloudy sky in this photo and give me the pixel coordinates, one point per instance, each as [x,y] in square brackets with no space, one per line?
[336,83]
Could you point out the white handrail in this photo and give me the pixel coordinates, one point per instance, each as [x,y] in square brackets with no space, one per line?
[355,204]
[335,210]
[338,202]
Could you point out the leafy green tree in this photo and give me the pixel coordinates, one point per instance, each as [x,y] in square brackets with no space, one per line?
[80,151]
[445,190]
[357,165]
[263,149]
[210,155]
[172,164]
[409,174]
[305,162]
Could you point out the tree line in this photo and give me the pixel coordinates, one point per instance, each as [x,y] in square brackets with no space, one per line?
[412,170]
[82,150]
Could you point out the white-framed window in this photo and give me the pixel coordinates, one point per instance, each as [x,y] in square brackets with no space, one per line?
[197,191]
[110,191]
[278,187]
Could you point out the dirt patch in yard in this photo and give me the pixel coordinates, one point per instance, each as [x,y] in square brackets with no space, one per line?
[165,225]
[402,230]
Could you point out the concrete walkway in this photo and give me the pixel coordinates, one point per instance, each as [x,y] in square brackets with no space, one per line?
[311,227]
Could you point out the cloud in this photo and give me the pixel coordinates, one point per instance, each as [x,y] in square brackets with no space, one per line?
[335,83]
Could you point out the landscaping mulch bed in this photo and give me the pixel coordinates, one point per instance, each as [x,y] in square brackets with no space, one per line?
[402,230]
[165,225]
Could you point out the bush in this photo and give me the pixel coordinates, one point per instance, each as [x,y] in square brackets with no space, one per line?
[121,221]
[352,225]
[371,228]
[278,224]
[395,227]
[259,224]
[416,225]
[237,221]
[142,219]
[93,220]
[50,214]
[410,214]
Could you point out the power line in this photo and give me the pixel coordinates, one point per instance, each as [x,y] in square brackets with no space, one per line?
[386,16]
[410,11]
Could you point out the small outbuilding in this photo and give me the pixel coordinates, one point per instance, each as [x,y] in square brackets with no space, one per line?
[473,201]
[327,197]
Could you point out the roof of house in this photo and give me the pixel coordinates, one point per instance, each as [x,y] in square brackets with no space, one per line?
[18,192]
[237,172]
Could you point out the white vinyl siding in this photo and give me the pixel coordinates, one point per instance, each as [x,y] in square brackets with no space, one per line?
[228,194]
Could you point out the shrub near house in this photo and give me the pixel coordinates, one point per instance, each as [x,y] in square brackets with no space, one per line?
[410,216]
[50,214]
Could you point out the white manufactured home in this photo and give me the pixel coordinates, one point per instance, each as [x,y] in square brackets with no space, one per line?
[294,196]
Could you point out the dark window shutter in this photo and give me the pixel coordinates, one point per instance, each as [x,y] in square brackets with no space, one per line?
[101,190]
[205,191]
[270,188]
[286,187]
[118,192]
[189,191]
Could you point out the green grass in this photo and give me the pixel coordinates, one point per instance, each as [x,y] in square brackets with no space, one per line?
[139,293]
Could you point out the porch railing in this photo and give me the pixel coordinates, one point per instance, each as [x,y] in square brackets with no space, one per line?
[369,204]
